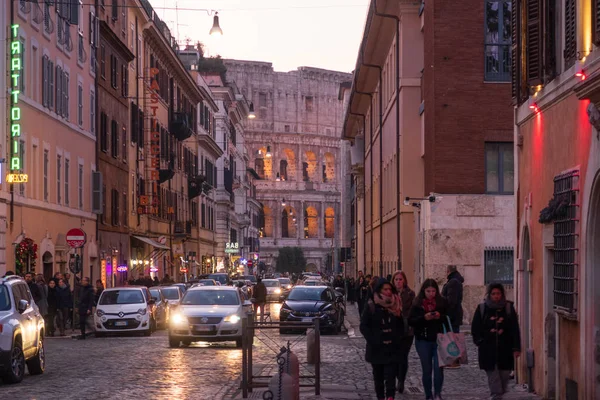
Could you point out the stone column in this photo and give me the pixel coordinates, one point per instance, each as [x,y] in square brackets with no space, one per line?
[300,220]
[299,157]
[321,221]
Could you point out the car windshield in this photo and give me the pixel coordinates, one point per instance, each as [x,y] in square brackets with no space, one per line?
[307,294]
[312,283]
[250,278]
[155,293]
[272,283]
[207,282]
[126,296]
[210,298]
[171,293]
[284,281]
[4,299]
[222,278]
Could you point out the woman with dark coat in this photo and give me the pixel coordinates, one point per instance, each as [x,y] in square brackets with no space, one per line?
[495,330]
[428,317]
[382,326]
[361,293]
[52,307]
[407,296]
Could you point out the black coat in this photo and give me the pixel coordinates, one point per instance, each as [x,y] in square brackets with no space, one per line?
[35,292]
[428,330]
[86,299]
[63,296]
[383,332]
[52,300]
[496,349]
[453,293]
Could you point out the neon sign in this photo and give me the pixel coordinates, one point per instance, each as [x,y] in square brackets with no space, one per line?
[16,173]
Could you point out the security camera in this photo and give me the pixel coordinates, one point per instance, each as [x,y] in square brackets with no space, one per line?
[407,201]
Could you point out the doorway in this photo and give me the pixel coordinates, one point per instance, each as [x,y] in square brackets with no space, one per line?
[524,299]
[593,246]
[48,266]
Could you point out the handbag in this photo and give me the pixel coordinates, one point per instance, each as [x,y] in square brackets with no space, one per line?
[452,347]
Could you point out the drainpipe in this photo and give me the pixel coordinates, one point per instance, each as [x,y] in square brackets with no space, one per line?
[12,186]
[364,117]
[394,17]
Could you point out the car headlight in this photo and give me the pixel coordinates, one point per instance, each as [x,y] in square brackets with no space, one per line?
[234,319]
[330,311]
[99,313]
[142,311]
[289,286]
[277,291]
[178,319]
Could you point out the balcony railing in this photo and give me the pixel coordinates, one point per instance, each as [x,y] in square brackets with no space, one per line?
[180,126]
[195,186]
[167,171]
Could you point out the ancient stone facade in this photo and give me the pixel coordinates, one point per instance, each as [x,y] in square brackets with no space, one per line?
[294,146]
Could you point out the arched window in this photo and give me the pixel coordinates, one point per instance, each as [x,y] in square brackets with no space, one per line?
[283,164]
[310,159]
[285,232]
[329,168]
[290,165]
[259,167]
[329,222]
[311,227]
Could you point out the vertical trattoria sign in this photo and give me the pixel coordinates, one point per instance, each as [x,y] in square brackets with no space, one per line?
[16,174]
[149,202]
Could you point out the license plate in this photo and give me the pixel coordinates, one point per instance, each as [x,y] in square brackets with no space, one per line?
[121,323]
[307,319]
[203,328]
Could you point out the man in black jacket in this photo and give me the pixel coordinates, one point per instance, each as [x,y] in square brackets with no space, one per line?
[86,303]
[453,293]
[33,288]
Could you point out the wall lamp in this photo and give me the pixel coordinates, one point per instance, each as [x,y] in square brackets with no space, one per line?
[268,154]
[283,202]
[251,113]
[408,200]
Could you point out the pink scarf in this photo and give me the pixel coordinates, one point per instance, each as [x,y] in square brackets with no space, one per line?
[392,303]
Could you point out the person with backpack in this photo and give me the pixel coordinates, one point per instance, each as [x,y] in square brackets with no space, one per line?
[382,326]
[496,333]
[407,296]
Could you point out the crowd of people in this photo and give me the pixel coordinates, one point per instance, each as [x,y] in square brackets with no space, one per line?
[393,317]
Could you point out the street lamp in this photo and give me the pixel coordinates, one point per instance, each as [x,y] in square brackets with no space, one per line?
[251,113]
[216,29]
[268,154]
[283,202]
[407,200]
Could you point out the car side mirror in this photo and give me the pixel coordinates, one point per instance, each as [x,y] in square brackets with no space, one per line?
[22,306]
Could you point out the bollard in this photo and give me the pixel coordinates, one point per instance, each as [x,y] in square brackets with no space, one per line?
[292,368]
[311,355]
[281,384]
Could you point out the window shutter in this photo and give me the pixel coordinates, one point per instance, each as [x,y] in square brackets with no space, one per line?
[570,52]
[97,192]
[59,88]
[549,40]
[514,51]
[91,28]
[45,81]
[534,42]
[50,75]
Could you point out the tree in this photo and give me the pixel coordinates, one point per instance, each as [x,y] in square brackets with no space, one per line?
[291,259]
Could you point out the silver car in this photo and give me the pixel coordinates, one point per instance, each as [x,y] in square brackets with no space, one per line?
[209,314]
[274,291]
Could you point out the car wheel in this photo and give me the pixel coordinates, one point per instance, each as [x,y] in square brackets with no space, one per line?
[186,343]
[16,370]
[174,342]
[238,343]
[37,364]
[148,332]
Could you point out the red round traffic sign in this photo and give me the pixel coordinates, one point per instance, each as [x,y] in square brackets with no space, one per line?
[76,238]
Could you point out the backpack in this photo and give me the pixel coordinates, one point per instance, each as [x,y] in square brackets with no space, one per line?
[507,308]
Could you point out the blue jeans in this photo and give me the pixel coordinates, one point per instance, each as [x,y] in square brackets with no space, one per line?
[429,364]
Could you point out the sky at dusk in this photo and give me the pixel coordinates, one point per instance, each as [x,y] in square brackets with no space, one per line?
[288,33]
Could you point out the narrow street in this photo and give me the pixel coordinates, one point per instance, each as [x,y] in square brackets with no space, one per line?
[145,367]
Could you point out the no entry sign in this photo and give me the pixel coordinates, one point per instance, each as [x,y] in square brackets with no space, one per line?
[76,238]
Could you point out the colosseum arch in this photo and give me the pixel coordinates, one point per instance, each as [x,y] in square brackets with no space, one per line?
[311,225]
[329,222]
[269,222]
[288,222]
[287,165]
[329,168]
[309,166]
[265,163]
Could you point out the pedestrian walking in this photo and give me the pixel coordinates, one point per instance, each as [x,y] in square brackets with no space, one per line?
[259,298]
[86,303]
[453,293]
[43,301]
[371,287]
[407,296]
[427,317]
[382,326]
[361,293]
[52,307]
[99,290]
[495,330]
[33,288]
[65,302]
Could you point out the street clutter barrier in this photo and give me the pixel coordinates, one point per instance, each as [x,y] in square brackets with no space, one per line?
[286,383]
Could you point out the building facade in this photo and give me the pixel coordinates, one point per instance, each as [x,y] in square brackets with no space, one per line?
[294,147]
[49,138]
[556,91]
[446,164]
[113,55]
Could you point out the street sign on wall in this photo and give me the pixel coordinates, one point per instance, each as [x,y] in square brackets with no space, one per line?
[76,238]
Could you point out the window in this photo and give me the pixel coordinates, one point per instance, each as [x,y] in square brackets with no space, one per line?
[499,265]
[124,197]
[203,215]
[103,61]
[80,186]
[123,19]
[80,105]
[124,81]
[497,40]
[566,242]
[93,112]
[45,175]
[114,139]
[58,179]
[499,168]
[114,207]
[570,32]
[115,10]
[59,89]
[103,132]
[67,169]
[103,215]
[124,143]
[48,24]
[113,71]
[34,74]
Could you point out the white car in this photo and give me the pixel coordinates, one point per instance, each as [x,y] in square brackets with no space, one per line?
[274,291]
[124,309]
[209,314]
[172,294]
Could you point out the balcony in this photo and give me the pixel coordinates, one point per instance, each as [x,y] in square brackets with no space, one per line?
[180,126]
[167,170]
[195,185]
[188,227]
[179,228]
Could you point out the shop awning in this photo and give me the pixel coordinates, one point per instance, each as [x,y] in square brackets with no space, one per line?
[152,242]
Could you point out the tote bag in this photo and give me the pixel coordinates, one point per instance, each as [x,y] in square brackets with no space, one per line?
[452,347]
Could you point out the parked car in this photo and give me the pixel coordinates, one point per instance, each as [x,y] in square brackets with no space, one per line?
[22,331]
[125,309]
[274,291]
[161,307]
[210,314]
[172,293]
[304,303]
[250,278]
